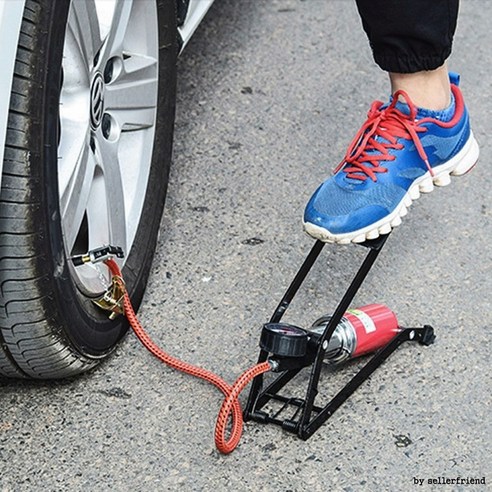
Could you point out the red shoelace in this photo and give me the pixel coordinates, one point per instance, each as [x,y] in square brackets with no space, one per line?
[378,135]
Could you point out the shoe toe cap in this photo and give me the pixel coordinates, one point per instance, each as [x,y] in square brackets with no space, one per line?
[341,211]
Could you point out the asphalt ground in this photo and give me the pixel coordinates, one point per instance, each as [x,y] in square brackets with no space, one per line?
[270,94]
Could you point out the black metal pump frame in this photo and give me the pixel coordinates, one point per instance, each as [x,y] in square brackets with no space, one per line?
[308,417]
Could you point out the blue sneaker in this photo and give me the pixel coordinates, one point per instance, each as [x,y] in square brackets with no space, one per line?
[399,152]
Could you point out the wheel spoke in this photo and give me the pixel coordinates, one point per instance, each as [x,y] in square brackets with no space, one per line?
[74,139]
[74,195]
[132,97]
[113,44]
[107,159]
[84,25]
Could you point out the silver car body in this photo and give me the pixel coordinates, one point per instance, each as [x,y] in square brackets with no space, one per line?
[10,22]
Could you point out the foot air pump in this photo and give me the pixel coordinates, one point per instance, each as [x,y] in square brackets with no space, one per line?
[347,334]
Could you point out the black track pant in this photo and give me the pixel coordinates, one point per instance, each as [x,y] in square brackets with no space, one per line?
[408,36]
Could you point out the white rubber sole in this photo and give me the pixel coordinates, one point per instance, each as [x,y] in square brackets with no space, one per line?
[460,164]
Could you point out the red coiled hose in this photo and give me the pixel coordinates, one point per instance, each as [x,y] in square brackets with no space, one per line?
[230,406]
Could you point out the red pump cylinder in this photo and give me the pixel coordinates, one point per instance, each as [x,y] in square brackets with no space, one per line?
[360,331]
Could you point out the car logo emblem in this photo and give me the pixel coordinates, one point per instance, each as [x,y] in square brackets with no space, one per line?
[97,100]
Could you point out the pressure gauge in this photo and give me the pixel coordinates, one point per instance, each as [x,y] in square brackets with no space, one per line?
[284,340]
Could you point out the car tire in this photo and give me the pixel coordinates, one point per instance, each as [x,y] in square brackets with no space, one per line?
[49,326]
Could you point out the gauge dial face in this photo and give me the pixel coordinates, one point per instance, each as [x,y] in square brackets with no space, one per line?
[284,340]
